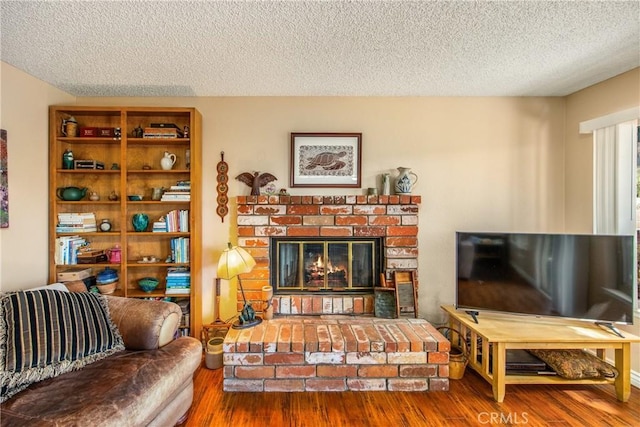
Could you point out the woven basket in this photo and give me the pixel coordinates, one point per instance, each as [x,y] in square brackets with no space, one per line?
[108,288]
[458,355]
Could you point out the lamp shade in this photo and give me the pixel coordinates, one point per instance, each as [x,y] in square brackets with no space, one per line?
[234,261]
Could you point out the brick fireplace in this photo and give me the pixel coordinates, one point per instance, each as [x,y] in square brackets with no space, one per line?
[392,219]
[324,336]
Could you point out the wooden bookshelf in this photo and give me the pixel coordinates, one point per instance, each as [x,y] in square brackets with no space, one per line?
[131,166]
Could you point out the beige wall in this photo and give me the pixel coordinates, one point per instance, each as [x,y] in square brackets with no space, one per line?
[493,164]
[25,115]
[483,164]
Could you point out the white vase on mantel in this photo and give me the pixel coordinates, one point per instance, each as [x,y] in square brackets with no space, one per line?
[386,184]
[405,181]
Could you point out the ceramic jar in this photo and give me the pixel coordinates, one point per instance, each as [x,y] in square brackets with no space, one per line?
[106,276]
[167,161]
[156,193]
[115,254]
[71,193]
[405,181]
[70,127]
[140,221]
[67,159]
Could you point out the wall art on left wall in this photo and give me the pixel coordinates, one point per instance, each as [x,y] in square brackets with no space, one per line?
[4,186]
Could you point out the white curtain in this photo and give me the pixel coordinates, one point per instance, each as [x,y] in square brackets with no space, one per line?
[615,179]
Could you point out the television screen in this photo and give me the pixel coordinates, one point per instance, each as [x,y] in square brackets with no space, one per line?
[587,277]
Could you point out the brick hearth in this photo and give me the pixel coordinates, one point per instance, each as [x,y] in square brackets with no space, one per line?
[336,353]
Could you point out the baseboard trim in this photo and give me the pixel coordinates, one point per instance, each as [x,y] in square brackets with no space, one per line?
[635,379]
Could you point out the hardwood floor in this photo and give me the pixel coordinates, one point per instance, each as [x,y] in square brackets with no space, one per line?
[469,402]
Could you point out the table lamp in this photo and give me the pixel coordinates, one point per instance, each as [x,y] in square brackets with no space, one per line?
[233,262]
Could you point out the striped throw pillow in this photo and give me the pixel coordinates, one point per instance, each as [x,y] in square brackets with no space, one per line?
[45,333]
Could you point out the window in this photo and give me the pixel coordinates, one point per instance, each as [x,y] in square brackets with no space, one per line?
[616,174]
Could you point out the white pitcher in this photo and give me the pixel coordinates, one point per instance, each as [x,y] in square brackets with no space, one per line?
[167,161]
[405,181]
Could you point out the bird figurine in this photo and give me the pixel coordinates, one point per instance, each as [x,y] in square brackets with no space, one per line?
[256,180]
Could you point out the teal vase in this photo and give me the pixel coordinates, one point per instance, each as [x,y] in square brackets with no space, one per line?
[140,221]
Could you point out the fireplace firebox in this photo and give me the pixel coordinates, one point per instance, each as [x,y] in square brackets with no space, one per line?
[325,264]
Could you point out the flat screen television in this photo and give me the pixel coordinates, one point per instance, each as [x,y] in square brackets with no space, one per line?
[588,277]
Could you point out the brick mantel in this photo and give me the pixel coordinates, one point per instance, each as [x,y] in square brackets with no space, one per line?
[393,218]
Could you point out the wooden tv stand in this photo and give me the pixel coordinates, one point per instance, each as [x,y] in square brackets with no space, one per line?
[498,332]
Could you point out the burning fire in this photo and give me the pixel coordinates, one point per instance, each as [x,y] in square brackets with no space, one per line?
[320,269]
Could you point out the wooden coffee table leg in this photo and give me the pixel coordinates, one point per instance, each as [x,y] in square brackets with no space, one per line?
[499,371]
[623,365]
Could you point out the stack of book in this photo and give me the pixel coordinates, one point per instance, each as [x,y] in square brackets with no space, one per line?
[163,130]
[180,249]
[179,192]
[67,249]
[178,281]
[76,222]
[160,226]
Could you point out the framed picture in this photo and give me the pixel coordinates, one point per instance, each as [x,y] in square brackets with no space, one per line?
[326,159]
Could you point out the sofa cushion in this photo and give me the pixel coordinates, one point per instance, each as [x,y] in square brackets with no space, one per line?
[44,333]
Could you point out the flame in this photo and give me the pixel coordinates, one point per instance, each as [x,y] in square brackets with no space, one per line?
[319,265]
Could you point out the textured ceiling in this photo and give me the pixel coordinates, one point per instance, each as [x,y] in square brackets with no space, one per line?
[307,48]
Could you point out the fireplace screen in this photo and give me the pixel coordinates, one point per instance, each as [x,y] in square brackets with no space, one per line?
[324,264]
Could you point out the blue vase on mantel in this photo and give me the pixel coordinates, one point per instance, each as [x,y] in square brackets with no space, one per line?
[140,222]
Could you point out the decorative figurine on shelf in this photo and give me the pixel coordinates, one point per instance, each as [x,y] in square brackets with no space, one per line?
[138,132]
[386,184]
[105,225]
[113,196]
[256,180]
[185,133]
[70,127]
[67,159]
[94,196]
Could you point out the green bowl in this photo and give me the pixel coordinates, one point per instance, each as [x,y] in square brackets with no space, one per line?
[148,284]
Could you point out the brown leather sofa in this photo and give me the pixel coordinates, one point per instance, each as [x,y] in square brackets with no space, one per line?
[148,384]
